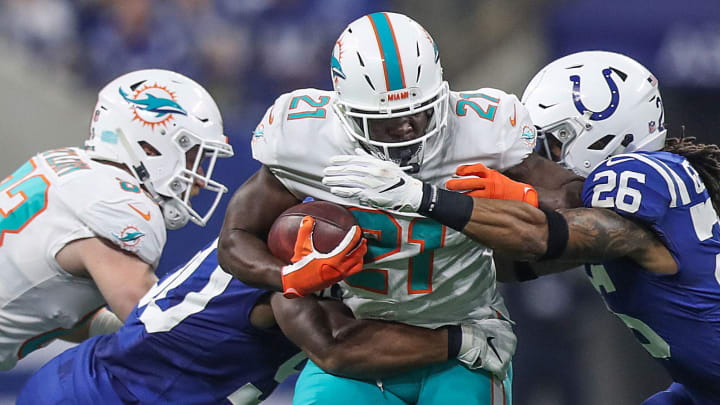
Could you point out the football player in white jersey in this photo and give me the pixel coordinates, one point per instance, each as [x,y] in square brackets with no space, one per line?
[391,103]
[84,227]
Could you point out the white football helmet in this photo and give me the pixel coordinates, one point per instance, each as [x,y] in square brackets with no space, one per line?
[596,104]
[148,120]
[385,65]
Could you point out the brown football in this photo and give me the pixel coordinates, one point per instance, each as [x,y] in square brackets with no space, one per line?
[332,222]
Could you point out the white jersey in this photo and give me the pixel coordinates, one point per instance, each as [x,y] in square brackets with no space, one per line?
[54,198]
[416,271]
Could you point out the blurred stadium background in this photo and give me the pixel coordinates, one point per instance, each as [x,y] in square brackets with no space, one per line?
[54,55]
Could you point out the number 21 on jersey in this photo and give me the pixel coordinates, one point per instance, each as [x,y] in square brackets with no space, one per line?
[385,238]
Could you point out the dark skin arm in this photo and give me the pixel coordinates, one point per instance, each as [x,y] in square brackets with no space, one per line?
[557,187]
[340,344]
[242,249]
[595,235]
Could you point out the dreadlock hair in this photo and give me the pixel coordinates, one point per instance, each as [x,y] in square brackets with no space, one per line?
[705,159]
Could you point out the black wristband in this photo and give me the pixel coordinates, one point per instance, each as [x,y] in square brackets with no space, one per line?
[558,235]
[523,271]
[454,340]
[447,207]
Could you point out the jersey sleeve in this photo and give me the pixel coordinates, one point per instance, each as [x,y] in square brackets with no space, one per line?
[632,185]
[132,224]
[296,138]
[495,125]
[517,132]
[267,134]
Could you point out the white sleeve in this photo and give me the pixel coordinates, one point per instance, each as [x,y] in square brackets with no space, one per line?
[296,150]
[517,135]
[267,136]
[132,224]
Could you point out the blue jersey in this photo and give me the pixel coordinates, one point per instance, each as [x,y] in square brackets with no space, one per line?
[675,317]
[188,341]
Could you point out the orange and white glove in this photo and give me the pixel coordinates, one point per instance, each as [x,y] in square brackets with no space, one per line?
[311,270]
[489,183]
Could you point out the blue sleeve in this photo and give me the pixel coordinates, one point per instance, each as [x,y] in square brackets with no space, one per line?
[632,186]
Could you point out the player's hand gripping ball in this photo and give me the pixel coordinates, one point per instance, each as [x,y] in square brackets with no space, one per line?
[323,243]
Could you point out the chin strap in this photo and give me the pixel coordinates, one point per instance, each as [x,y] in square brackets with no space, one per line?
[136,166]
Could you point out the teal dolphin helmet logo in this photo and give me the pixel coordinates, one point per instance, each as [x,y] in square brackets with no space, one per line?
[152,105]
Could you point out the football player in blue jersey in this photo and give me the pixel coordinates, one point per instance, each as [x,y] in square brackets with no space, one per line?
[649,230]
[200,336]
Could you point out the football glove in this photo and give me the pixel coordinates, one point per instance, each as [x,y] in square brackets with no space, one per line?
[488,344]
[311,270]
[489,183]
[374,182]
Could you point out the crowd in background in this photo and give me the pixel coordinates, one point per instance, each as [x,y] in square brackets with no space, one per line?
[240,50]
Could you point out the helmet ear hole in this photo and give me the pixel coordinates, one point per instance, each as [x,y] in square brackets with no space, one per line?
[149,149]
[601,143]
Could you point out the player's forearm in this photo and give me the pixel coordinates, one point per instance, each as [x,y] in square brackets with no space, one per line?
[248,259]
[510,226]
[340,344]
[376,349]
[597,235]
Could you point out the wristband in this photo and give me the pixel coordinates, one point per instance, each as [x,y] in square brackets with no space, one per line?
[454,340]
[558,235]
[447,207]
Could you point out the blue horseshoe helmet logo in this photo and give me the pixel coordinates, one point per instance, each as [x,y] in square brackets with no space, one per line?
[614,97]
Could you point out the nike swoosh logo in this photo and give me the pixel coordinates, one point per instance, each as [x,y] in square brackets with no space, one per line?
[142,214]
[489,342]
[612,162]
[514,117]
[396,185]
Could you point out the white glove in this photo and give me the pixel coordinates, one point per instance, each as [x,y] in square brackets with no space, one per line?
[376,183]
[488,344]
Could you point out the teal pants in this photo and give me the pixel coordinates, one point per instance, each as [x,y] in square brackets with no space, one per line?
[444,383]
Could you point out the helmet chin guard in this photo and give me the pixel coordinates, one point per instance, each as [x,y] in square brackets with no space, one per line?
[595,105]
[385,65]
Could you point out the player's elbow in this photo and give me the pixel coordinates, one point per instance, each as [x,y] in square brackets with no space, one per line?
[330,361]
[339,361]
[224,256]
[339,357]
[229,253]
